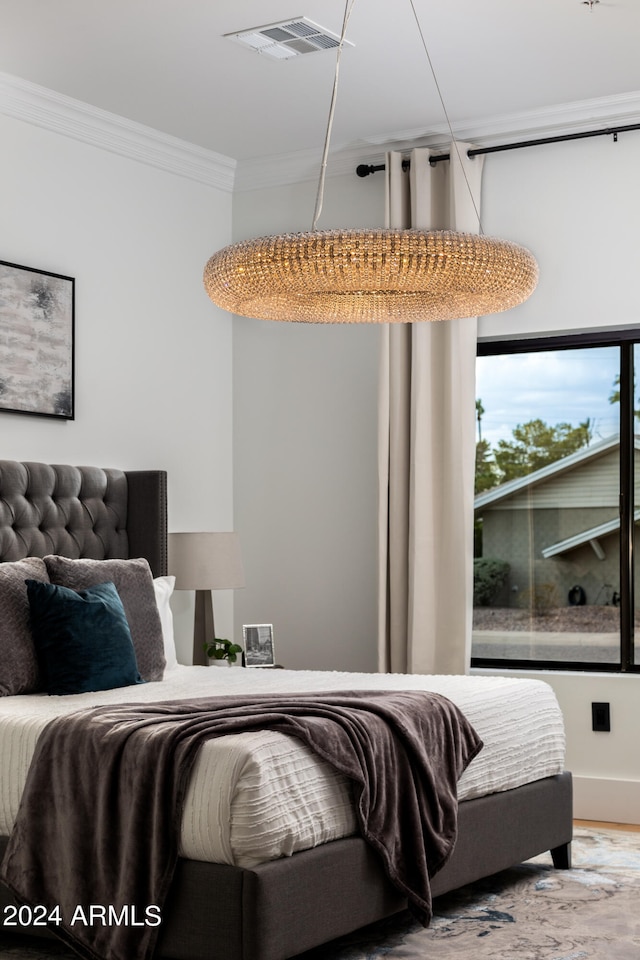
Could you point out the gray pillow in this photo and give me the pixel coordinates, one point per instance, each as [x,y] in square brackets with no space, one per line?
[18,663]
[134,582]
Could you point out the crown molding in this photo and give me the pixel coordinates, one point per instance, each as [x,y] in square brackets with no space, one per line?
[585,115]
[53,111]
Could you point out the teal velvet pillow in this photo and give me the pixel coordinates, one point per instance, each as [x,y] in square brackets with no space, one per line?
[82,638]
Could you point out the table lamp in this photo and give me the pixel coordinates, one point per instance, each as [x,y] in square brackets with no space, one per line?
[204,562]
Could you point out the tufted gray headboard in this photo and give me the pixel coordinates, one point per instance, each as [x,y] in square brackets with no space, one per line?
[100,514]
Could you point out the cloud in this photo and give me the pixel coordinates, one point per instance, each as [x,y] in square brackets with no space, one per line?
[561,386]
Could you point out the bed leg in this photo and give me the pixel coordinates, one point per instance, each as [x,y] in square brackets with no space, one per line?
[561,856]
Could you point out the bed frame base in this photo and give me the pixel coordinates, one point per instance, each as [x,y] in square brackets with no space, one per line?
[281,908]
[284,907]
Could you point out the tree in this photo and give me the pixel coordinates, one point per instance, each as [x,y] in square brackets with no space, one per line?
[537,444]
[486,474]
[614,396]
[479,413]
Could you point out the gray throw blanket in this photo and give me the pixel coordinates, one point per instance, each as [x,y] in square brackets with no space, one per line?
[100,815]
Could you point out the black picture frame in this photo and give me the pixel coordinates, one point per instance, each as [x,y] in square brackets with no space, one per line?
[37,342]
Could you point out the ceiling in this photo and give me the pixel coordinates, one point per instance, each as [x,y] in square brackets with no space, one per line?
[166,64]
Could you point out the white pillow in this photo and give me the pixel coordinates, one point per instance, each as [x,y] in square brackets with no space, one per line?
[163,587]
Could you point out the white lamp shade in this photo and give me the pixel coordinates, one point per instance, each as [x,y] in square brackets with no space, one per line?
[206,561]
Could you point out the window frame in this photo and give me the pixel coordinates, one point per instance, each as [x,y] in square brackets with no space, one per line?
[625,339]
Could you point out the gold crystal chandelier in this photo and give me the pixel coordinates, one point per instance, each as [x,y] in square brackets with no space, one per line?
[369,276]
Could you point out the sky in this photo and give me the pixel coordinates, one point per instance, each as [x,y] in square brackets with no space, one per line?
[563,386]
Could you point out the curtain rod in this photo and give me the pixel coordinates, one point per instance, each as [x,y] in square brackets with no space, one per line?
[364,169]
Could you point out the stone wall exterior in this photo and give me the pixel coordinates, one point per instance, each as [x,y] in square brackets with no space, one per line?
[519,537]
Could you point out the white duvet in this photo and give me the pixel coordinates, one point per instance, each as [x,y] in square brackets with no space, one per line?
[257,796]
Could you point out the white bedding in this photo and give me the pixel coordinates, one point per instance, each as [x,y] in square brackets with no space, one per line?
[257,796]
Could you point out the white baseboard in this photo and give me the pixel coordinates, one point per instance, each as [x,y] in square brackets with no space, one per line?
[615,801]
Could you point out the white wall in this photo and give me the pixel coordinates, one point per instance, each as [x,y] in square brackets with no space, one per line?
[576,206]
[305,412]
[153,356]
[305,457]
[605,766]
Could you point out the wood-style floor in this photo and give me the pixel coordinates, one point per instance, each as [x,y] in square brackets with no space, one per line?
[634,827]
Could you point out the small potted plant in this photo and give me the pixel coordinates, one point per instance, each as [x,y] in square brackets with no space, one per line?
[222,651]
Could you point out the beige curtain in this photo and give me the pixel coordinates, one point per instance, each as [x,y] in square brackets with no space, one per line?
[427,444]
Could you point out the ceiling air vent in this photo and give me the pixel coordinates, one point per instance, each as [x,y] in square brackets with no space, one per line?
[291,38]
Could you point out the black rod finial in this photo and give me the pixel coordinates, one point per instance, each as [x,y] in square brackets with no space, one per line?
[364,169]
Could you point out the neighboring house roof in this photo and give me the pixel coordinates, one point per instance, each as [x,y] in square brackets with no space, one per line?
[592,536]
[508,489]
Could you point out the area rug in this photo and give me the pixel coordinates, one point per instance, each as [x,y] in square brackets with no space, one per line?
[531,912]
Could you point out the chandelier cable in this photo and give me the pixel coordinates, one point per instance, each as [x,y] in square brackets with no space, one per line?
[334,95]
[446,115]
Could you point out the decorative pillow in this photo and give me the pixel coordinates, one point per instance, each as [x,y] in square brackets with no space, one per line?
[134,582]
[18,663]
[82,638]
[163,587]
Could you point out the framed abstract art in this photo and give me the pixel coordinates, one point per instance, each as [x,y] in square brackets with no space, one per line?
[36,342]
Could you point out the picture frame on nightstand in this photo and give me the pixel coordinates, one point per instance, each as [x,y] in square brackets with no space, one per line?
[258,645]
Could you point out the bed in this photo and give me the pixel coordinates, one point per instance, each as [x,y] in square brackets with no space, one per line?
[284,890]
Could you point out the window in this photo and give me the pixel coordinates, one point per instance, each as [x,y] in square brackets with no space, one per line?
[556,520]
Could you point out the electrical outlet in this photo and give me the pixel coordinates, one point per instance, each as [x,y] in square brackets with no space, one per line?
[600,717]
